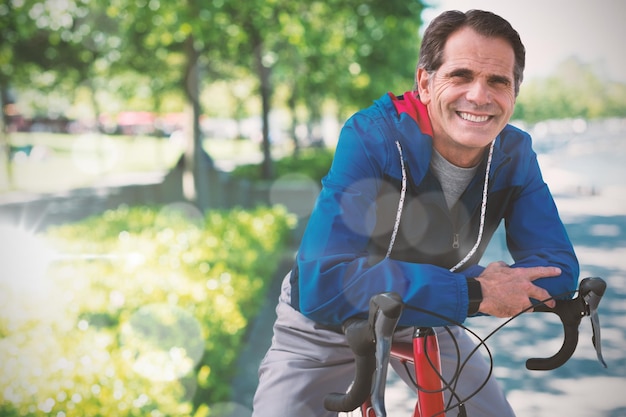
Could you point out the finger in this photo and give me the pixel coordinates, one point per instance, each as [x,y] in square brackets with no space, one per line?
[537,272]
[542,295]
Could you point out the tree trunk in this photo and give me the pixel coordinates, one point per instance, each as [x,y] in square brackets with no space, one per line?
[5,144]
[315,123]
[198,163]
[294,122]
[267,169]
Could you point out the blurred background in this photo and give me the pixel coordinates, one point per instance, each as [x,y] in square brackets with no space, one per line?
[159,160]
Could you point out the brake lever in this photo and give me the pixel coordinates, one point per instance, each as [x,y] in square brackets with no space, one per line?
[592,300]
[370,341]
[387,307]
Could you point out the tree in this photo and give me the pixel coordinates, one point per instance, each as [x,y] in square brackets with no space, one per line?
[349,52]
[38,47]
[176,46]
[574,90]
[383,49]
[258,30]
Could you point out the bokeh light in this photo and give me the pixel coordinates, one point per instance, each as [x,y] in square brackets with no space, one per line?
[187,211]
[162,342]
[296,192]
[362,225]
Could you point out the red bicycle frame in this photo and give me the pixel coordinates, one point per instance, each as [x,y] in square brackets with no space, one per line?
[423,354]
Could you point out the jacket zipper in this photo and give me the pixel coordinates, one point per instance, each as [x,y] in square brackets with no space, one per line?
[455,236]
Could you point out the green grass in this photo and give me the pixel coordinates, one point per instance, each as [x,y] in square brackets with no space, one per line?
[60,162]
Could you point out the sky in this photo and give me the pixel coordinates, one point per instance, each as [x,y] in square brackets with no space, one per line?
[553,30]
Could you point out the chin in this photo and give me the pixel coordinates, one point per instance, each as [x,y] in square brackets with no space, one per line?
[476,142]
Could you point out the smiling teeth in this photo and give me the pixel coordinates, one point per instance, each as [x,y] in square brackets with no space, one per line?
[472,118]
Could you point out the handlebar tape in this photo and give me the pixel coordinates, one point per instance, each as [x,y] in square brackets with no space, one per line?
[567,350]
[360,337]
[571,313]
[361,340]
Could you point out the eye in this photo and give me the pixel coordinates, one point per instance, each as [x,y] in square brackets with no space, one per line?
[461,76]
[500,81]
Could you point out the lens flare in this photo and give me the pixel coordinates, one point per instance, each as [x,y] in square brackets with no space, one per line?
[24,259]
[296,192]
[163,342]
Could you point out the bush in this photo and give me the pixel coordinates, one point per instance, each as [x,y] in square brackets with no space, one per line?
[143,315]
[311,162]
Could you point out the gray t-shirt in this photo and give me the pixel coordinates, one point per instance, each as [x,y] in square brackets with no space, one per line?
[453,179]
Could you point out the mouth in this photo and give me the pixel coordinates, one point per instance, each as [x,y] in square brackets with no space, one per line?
[473,117]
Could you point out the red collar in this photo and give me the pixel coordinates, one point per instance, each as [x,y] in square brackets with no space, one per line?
[413,106]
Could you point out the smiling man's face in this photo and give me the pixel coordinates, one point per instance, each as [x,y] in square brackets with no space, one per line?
[471,97]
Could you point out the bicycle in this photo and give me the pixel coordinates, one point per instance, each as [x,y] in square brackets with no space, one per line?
[371,342]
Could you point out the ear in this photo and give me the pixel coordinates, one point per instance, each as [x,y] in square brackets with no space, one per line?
[423,85]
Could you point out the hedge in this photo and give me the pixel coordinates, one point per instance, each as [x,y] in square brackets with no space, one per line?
[142,312]
[313,163]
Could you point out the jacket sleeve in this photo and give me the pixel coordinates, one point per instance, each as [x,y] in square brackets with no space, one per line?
[536,235]
[336,277]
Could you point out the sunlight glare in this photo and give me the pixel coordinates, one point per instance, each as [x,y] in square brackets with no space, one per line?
[24,260]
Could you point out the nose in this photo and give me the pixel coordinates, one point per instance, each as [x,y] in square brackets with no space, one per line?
[478,93]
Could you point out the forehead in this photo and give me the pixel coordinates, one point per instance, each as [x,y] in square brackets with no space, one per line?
[467,48]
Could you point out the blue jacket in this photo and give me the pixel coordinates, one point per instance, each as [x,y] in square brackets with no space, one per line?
[341,262]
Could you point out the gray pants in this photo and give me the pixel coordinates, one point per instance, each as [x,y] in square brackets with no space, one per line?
[305,362]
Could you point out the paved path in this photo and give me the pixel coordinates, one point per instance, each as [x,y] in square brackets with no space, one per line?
[259,339]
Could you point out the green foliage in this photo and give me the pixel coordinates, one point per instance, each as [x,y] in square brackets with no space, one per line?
[347,51]
[128,49]
[575,90]
[142,315]
[313,163]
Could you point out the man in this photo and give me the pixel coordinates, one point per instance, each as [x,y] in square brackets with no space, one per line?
[418,186]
